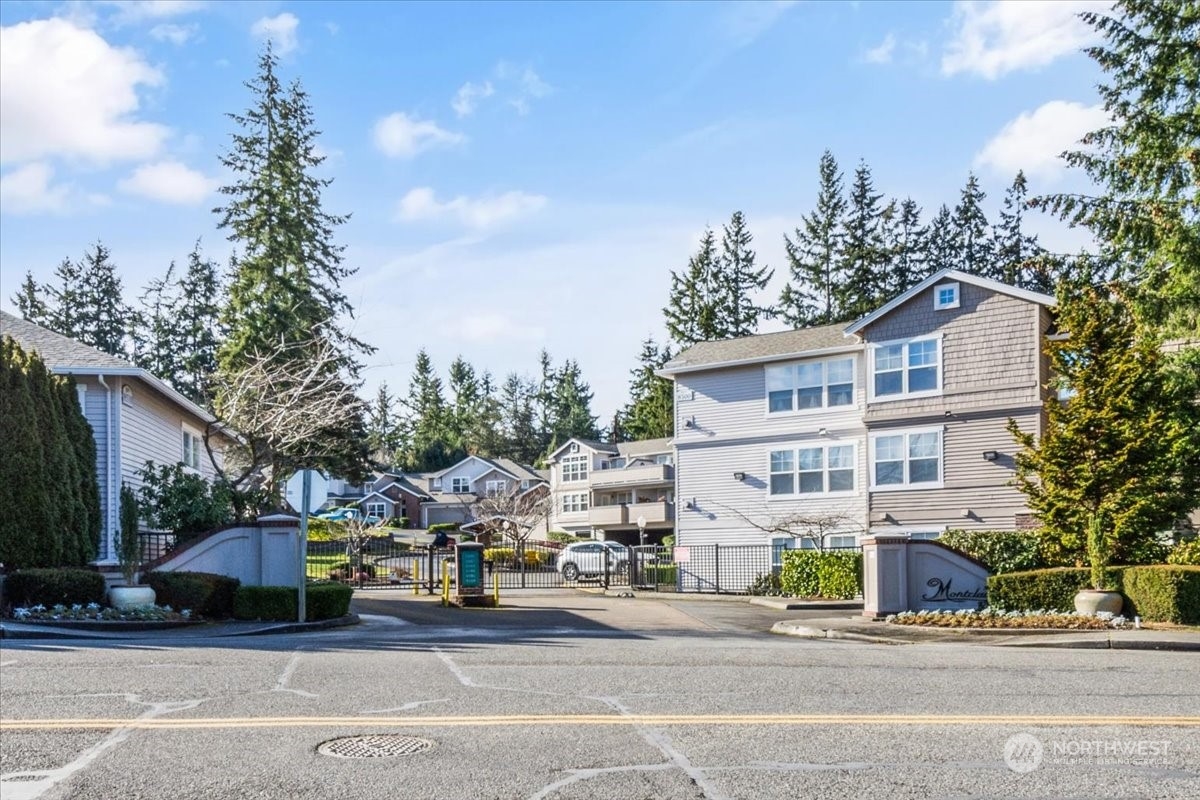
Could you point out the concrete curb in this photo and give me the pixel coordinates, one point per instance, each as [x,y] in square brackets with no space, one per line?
[11,630]
[810,632]
[792,604]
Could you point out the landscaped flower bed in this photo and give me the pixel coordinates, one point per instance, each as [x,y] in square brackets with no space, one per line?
[93,612]
[999,618]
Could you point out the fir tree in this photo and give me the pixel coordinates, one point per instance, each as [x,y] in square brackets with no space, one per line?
[383,429]
[864,250]
[1016,255]
[200,332]
[572,407]
[487,426]
[693,308]
[518,420]
[105,320]
[814,255]
[463,415]
[1148,214]
[1124,445]
[65,309]
[30,301]
[907,249]
[940,249]
[428,422]
[285,297]
[737,280]
[650,413]
[544,402]
[971,239]
[156,341]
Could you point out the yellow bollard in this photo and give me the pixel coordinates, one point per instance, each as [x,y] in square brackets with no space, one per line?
[416,576]
[445,583]
[496,589]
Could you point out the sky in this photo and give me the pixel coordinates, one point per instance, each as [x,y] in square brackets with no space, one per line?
[524,176]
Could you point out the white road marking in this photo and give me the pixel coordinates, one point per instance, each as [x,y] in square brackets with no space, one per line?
[281,685]
[18,786]
[463,678]
[383,620]
[7,663]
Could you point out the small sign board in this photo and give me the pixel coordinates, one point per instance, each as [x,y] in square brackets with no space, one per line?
[469,557]
[318,491]
[682,555]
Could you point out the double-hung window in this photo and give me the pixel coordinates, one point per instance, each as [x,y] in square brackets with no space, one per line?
[574,468]
[576,501]
[812,470]
[907,458]
[191,449]
[497,487]
[903,369]
[810,385]
[460,485]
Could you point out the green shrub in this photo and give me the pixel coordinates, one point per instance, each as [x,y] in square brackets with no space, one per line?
[1163,593]
[836,575]
[1001,551]
[326,601]
[561,536]
[182,502]
[53,586]
[669,540]
[276,603]
[448,527]
[666,574]
[766,585]
[1185,553]
[1049,589]
[324,530]
[205,593]
[501,556]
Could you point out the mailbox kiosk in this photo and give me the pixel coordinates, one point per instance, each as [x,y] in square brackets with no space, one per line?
[468,562]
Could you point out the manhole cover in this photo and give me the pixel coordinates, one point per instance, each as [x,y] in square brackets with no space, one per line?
[381,745]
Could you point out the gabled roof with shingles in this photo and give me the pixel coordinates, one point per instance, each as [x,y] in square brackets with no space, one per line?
[759,348]
[58,351]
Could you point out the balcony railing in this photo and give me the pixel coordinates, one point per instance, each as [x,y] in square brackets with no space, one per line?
[627,514]
[611,516]
[633,476]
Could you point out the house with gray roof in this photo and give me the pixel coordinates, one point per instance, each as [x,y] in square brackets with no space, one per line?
[894,423]
[135,416]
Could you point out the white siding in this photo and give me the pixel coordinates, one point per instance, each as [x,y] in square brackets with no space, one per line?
[152,430]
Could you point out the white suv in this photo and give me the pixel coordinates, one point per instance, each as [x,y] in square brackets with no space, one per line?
[588,559]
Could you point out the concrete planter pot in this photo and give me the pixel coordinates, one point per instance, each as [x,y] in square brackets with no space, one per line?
[122,597]
[1091,601]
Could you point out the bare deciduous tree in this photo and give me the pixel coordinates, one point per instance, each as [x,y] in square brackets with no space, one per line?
[515,513]
[815,526]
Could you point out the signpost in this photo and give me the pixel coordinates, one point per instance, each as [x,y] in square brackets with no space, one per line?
[469,573]
[305,491]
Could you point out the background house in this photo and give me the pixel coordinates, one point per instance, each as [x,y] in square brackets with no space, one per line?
[135,418]
[601,489]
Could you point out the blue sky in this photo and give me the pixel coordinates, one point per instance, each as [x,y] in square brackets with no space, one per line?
[524,175]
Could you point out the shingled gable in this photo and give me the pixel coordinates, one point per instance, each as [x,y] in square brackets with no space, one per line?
[599,447]
[758,349]
[941,275]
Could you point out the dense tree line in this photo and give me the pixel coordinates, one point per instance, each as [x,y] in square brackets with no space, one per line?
[48,483]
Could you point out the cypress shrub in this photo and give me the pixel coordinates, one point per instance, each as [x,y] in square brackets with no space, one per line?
[1163,593]
[274,603]
[51,587]
[832,574]
[205,593]
[1048,589]
[326,601]
[1001,551]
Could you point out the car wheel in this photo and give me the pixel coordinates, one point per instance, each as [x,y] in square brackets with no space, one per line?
[570,572]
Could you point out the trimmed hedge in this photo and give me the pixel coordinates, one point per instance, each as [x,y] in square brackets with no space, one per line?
[1163,593]
[1001,551]
[54,586]
[205,593]
[1049,589]
[833,574]
[278,603]
[507,557]
[664,574]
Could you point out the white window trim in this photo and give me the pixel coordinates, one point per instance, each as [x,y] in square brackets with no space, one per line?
[823,409]
[579,499]
[577,459]
[184,431]
[938,305]
[496,486]
[382,509]
[811,445]
[906,395]
[906,486]
[456,481]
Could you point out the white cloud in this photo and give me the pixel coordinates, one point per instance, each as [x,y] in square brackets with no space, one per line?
[881,53]
[27,190]
[280,30]
[422,205]
[177,35]
[169,182]
[65,91]
[1034,140]
[476,326]
[400,136]
[468,96]
[992,39]
[133,11]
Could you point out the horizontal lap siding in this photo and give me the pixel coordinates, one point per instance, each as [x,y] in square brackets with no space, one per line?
[152,430]
[970,482]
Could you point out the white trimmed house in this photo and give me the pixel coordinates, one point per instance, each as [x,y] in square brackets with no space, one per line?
[135,417]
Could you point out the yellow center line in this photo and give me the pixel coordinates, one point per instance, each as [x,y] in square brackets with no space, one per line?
[167,723]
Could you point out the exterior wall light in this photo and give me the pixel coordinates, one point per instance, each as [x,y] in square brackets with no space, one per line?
[739,476]
[990,455]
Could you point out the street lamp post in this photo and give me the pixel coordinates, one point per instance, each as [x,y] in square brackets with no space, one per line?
[641,523]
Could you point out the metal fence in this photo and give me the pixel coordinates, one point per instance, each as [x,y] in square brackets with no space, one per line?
[155,545]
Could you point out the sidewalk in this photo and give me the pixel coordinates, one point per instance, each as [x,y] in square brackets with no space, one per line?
[860,629]
[138,630]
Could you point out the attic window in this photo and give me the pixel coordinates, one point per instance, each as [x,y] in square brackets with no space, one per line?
[574,448]
[945,296]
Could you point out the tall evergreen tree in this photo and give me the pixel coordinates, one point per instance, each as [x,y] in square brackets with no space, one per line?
[814,255]
[737,281]
[30,301]
[201,334]
[971,231]
[519,421]
[487,426]
[1146,161]
[1016,254]
[864,249]
[464,414]
[156,342]
[940,249]
[572,406]
[543,399]
[285,296]
[650,413]
[65,305]
[693,308]
[429,420]
[383,429]
[907,249]
[24,480]
[106,320]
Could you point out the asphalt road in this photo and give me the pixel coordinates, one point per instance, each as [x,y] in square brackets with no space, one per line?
[578,696]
